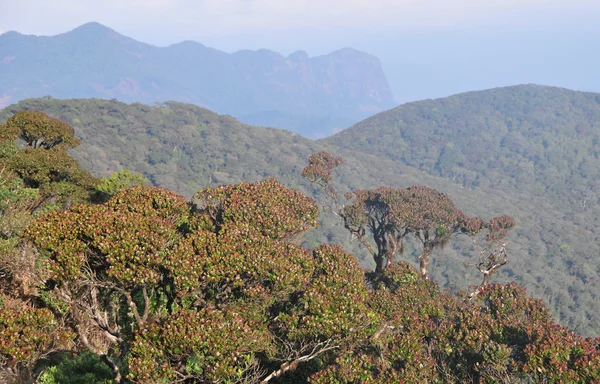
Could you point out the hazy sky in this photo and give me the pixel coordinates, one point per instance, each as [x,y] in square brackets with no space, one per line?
[411,37]
[163,22]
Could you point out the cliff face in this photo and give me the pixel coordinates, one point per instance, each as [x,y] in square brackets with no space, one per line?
[95,61]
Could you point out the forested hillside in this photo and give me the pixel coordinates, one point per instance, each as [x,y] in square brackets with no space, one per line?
[109,281]
[537,144]
[551,251]
[540,140]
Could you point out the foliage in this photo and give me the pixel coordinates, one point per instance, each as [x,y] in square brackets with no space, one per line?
[432,337]
[133,270]
[334,304]
[532,146]
[281,212]
[186,148]
[108,186]
[83,368]
[44,163]
[177,146]
[109,279]
[27,334]
[391,214]
[214,345]
[38,130]
[34,179]
[319,169]
[161,289]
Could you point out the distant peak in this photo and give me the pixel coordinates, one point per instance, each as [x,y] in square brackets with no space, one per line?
[348,51]
[94,29]
[11,34]
[299,56]
[92,26]
[257,53]
[188,43]
[268,53]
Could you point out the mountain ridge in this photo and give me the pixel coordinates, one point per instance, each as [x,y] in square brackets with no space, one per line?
[95,61]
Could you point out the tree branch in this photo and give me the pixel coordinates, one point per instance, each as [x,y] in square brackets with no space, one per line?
[103,356]
[292,365]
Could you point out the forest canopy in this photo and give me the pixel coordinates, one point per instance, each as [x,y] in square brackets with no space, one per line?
[113,281]
[185,148]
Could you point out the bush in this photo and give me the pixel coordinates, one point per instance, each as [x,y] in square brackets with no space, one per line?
[85,368]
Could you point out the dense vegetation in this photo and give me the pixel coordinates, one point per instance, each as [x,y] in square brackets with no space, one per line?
[140,284]
[540,145]
[551,251]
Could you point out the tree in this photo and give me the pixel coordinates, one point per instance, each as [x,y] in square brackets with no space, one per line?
[44,163]
[373,211]
[108,186]
[319,169]
[107,265]
[32,180]
[216,290]
[431,217]
[388,215]
[38,130]
[490,244]
[142,275]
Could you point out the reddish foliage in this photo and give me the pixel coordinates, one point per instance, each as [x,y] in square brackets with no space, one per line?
[39,130]
[320,166]
[267,207]
[28,334]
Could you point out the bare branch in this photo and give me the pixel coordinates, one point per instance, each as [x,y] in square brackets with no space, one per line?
[317,350]
[103,356]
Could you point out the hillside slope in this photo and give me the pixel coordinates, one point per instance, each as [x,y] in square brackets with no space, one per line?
[544,140]
[539,144]
[184,148]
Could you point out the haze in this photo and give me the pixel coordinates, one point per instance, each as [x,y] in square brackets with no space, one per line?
[428,48]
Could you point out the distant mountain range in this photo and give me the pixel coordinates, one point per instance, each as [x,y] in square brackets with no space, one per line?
[312,96]
[528,151]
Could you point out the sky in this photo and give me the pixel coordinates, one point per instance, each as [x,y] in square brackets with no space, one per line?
[428,48]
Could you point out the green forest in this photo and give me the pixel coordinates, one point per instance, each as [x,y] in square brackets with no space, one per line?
[553,248]
[172,244]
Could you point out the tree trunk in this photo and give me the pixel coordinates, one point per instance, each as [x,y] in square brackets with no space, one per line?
[424,262]
[392,248]
[378,263]
[114,368]
[486,278]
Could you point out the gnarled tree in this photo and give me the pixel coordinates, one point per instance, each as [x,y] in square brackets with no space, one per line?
[430,216]
[39,130]
[44,162]
[207,292]
[488,240]
[385,216]
[375,211]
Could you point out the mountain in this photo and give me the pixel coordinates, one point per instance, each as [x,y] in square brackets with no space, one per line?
[95,61]
[553,251]
[541,140]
